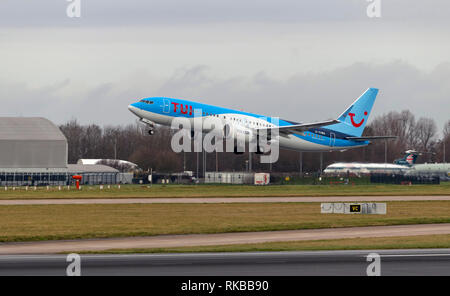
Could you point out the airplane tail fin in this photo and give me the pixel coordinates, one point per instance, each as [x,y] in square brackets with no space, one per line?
[409,159]
[353,120]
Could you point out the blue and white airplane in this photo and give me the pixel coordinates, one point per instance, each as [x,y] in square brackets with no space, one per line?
[339,134]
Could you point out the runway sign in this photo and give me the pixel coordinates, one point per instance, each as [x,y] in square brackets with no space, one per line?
[353,208]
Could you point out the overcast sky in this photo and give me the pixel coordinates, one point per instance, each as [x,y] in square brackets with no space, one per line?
[299,60]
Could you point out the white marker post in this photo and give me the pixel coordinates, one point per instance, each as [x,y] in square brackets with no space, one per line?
[150,177]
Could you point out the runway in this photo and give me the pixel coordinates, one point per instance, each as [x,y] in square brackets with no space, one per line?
[431,262]
[170,241]
[223,200]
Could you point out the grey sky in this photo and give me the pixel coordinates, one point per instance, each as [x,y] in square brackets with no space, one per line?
[300,60]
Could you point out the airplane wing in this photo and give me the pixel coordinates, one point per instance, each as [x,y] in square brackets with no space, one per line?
[368,138]
[299,128]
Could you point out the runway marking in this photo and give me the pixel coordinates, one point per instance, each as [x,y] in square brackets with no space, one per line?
[413,255]
[208,200]
[278,254]
[189,240]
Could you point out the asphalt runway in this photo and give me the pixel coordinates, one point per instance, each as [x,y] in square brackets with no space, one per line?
[431,262]
[222,200]
[168,241]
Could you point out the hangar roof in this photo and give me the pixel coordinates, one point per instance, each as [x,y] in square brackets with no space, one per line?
[106,162]
[90,168]
[29,128]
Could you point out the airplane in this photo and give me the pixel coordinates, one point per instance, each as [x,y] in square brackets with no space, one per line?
[424,169]
[339,134]
[399,166]
[405,166]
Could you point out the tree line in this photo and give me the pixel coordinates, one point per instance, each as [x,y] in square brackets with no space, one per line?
[132,142]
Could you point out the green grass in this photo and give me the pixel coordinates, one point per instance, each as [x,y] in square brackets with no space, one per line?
[53,222]
[136,191]
[403,242]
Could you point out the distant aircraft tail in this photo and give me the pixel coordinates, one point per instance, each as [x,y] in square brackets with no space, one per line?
[409,159]
[353,120]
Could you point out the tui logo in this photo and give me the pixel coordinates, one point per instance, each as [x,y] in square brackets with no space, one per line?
[183,109]
[352,115]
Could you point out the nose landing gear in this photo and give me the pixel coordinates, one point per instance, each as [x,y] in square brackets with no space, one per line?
[150,125]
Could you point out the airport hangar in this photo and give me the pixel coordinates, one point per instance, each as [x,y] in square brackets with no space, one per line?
[34,152]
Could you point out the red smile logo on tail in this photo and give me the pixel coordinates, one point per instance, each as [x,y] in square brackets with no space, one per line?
[352,115]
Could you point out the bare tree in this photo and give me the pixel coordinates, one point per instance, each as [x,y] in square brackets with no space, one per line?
[444,146]
[400,124]
[425,130]
[446,130]
[73,132]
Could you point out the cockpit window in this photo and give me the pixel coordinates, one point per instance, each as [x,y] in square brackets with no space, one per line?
[146,101]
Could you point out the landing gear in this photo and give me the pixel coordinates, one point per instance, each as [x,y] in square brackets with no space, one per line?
[150,124]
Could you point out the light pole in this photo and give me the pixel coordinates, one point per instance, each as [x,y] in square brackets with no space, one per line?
[321,162]
[115,148]
[443,142]
[197,167]
[204,163]
[217,163]
[301,163]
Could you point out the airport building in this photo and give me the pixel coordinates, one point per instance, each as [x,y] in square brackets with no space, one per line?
[95,174]
[237,178]
[34,152]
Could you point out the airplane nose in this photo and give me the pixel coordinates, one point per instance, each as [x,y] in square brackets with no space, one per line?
[133,109]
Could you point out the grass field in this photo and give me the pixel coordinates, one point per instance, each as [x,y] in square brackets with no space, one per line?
[47,222]
[410,242]
[136,191]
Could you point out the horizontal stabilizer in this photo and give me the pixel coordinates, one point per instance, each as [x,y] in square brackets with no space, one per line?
[368,138]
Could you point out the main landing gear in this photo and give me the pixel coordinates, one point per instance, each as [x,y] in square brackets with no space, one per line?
[151,132]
